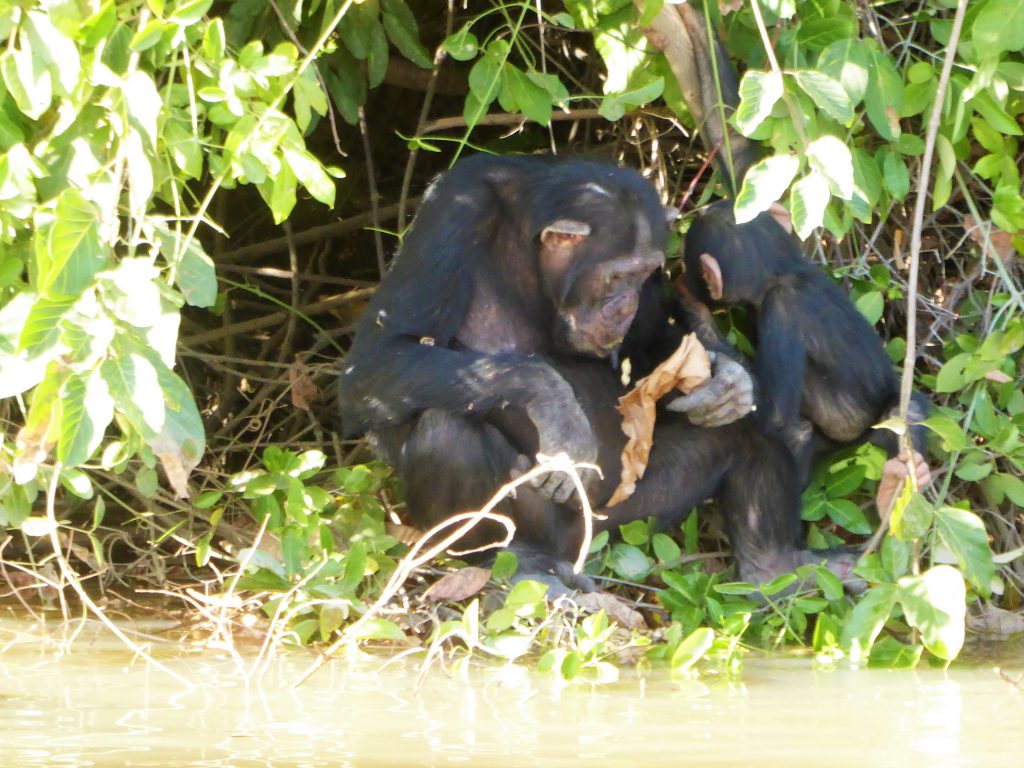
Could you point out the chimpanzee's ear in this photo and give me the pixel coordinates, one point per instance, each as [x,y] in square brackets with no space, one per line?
[558,243]
[565,228]
[712,275]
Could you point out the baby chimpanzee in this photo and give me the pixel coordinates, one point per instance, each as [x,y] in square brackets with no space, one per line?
[824,378]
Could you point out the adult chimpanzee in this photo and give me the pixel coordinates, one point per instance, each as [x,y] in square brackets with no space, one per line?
[490,339]
[823,376]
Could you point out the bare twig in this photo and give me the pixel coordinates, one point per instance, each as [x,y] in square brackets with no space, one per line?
[315,234]
[428,98]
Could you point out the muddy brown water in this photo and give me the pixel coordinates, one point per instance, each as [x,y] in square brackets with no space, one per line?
[82,701]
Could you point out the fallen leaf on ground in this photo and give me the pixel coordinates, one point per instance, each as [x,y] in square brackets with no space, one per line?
[684,370]
[458,585]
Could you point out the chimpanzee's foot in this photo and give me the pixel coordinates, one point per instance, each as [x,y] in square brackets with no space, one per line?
[553,571]
[839,561]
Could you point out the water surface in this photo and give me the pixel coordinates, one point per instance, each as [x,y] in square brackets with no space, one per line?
[87,703]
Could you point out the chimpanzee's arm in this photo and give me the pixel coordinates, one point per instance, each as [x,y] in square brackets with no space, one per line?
[781,362]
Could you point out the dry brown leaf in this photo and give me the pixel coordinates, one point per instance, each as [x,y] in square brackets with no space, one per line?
[684,370]
[304,391]
[458,585]
[999,242]
[617,609]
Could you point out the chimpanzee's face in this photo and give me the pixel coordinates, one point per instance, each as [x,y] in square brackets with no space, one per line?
[594,277]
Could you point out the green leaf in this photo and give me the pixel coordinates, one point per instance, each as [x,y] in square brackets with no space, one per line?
[309,98]
[871,304]
[884,97]
[400,25]
[965,535]
[848,62]
[311,174]
[75,251]
[995,115]
[506,564]
[485,81]
[533,101]
[635,532]
[953,437]
[847,514]
[629,562]
[867,185]
[463,45]
[148,36]
[692,649]
[42,328]
[764,184]
[196,275]
[895,174]
[379,629]
[890,653]
[944,173]
[665,549]
[827,93]
[1013,487]
[86,410]
[935,604]
[808,198]
[832,158]
[27,79]
[912,516]
[758,93]
[999,27]
[189,12]
[972,471]
[59,52]
[827,30]
[867,619]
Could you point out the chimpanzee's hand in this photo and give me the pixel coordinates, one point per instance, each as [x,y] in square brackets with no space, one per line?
[727,396]
[894,473]
[562,427]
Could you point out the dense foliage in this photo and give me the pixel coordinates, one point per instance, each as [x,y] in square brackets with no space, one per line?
[131,133]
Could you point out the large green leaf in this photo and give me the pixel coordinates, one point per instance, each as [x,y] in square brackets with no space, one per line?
[965,535]
[74,252]
[400,25]
[828,93]
[999,27]
[86,410]
[758,93]
[848,62]
[884,98]
[764,184]
[832,158]
[934,603]
[867,619]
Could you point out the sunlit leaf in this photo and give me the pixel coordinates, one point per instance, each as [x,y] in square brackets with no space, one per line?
[86,410]
[934,603]
[76,251]
[965,535]
[827,93]
[692,649]
[808,199]
[867,619]
[758,93]
[764,184]
[830,156]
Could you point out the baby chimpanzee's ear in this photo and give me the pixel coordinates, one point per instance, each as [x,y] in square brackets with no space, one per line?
[712,275]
